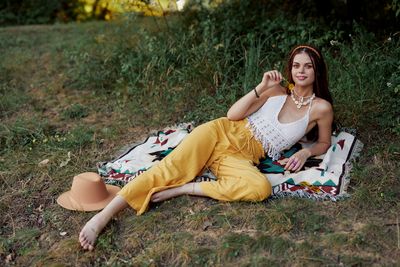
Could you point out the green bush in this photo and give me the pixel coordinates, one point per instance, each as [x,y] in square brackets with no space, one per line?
[195,70]
[364,77]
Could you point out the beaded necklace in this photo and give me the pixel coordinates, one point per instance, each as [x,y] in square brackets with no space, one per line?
[301,100]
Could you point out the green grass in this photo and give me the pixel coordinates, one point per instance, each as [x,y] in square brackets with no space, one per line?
[76,94]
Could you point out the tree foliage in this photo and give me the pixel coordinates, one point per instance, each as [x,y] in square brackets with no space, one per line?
[49,11]
[375,15]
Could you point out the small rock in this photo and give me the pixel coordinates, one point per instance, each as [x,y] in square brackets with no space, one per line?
[40,221]
[63,233]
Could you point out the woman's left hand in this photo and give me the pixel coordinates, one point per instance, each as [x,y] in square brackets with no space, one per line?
[297,160]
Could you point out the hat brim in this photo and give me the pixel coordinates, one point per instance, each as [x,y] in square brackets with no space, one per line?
[66,200]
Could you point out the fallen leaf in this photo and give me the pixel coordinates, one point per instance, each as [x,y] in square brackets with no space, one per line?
[65,162]
[43,163]
[206,224]
[40,208]
[9,258]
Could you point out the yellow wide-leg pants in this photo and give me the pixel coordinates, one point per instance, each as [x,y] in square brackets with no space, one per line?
[227,147]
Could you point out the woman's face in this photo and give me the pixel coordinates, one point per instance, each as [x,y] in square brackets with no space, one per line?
[303,70]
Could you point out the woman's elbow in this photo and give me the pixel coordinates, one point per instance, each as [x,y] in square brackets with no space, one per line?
[233,117]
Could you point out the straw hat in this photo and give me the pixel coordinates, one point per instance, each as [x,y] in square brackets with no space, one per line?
[88,193]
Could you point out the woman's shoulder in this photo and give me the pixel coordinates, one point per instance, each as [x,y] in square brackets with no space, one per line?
[321,106]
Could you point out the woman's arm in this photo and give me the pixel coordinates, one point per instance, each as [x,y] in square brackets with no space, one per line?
[250,102]
[324,122]
[324,133]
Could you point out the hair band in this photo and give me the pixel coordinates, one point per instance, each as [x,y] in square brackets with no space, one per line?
[308,47]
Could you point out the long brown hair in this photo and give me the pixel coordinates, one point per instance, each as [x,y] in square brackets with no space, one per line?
[320,85]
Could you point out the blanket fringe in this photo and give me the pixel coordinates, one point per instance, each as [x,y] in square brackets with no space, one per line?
[303,194]
[355,153]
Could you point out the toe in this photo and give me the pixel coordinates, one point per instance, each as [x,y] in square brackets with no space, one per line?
[86,246]
[81,238]
[83,243]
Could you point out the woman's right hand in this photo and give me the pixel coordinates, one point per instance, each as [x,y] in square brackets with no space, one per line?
[270,78]
[253,100]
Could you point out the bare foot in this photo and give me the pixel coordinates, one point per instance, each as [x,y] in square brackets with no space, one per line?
[169,193]
[89,233]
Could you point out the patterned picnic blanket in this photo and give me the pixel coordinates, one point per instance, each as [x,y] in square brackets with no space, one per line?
[324,177]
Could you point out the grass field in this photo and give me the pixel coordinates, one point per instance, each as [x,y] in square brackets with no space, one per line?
[63,99]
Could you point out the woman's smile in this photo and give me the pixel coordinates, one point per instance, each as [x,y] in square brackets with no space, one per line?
[301,78]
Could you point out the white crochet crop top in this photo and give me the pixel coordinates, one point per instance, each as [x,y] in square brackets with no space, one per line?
[274,135]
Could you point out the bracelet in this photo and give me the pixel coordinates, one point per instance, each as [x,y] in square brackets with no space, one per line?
[255,91]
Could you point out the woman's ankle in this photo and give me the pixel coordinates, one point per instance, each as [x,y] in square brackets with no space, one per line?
[188,189]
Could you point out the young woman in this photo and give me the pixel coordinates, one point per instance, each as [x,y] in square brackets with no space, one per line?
[269,119]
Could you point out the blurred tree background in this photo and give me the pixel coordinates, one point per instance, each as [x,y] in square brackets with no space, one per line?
[21,12]
[378,16]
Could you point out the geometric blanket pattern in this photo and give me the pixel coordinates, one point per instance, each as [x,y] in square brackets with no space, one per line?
[324,177]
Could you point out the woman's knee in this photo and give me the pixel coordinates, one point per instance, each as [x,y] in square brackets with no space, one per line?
[216,123]
[206,127]
[262,188]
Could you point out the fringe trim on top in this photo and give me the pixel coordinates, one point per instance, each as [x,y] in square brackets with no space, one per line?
[270,149]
